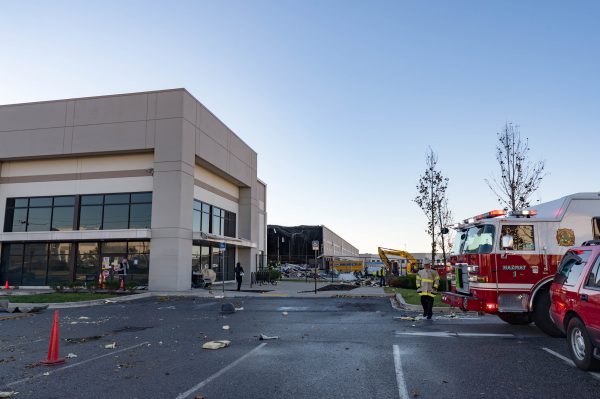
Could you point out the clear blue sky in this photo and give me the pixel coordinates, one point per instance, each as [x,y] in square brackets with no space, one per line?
[341,99]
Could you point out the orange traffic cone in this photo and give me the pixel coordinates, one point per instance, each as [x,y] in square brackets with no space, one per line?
[6,286]
[122,286]
[53,347]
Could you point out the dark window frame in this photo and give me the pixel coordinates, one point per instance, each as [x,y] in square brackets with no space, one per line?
[227,219]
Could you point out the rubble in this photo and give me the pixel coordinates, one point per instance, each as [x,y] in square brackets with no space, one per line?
[110,346]
[216,344]
[263,337]
[227,308]
[8,394]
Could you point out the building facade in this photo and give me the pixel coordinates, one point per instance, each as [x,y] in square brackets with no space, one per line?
[153,177]
[293,244]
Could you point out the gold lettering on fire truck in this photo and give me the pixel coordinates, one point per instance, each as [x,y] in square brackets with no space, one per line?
[514,267]
[565,237]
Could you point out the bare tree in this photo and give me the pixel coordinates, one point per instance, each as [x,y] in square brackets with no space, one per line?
[431,192]
[445,219]
[519,177]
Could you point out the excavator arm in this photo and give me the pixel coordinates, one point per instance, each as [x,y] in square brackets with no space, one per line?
[412,262]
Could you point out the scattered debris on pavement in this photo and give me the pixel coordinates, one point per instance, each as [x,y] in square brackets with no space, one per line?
[409,318]
[264,337]
[71,355]
[236,309]
[216,344]
[8,394]
[227,308]
[83,339]
[225,327]
[112,345]
[284,313]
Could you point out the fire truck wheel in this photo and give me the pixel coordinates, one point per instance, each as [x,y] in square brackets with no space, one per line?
[515,318]
[541,315]
[580,346]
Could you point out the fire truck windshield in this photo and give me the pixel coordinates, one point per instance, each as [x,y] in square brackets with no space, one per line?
[475,240]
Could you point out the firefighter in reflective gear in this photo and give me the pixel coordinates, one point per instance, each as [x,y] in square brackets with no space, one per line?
[428,281]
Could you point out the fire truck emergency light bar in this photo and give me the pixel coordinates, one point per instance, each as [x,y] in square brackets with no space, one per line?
[525,213]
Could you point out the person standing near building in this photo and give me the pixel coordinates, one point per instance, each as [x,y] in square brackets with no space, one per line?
[382,277]
[428,281]
[239,272]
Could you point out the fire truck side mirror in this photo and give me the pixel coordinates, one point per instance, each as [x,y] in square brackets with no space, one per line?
[507,242]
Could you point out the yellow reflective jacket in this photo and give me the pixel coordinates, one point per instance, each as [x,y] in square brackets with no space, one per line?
[427,282]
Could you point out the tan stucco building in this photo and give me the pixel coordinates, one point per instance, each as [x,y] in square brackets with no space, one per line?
[153,177]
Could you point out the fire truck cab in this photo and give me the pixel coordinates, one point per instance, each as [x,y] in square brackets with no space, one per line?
[504,262]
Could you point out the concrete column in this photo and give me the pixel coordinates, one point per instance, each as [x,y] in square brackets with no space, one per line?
[172,206]
[248,227]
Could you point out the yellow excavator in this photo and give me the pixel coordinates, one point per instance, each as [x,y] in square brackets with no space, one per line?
[411,267]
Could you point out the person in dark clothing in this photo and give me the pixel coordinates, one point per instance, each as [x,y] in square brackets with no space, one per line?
[239,272]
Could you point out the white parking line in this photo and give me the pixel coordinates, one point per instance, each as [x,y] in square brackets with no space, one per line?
[399,375]
[569,361]
[218,373]
[447,334]
[75,364]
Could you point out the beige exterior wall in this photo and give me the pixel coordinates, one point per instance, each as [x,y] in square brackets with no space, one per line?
[334,245]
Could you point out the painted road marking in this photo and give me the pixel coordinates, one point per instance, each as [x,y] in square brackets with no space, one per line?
[399,375]
[75,364]
[447,334]
[569,361]
[219,373]
[292,308]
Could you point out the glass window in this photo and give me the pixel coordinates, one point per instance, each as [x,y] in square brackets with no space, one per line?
[35,264]
[197,205]
[19,220]
[21,202]
[88,260]
[196,222]
[117,247]
[64,201]
[594,277]
[90,217]
[115,217]
[141,197]
[59,263]
[571,266]
[140,216]
[39,219]
[116,199]
[205,224]
[523,239]
[596,228]
[478,240]
[62,218]
[40,201]
[205,257]
[91,199]
[12,254]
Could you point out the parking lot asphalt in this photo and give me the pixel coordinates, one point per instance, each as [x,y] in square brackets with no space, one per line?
[327,347]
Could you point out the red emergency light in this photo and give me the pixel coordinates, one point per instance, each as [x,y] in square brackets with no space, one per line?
[491,214]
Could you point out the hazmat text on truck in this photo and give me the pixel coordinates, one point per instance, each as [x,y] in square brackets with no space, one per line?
[504,262]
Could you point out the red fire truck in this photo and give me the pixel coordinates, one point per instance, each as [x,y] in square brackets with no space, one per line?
[503,262]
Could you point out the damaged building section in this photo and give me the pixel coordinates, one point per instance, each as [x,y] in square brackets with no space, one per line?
[293,245]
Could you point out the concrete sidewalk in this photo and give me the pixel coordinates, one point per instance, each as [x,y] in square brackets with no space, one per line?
[283,289]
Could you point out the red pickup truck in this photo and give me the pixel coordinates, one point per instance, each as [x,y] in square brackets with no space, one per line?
[575,308]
